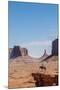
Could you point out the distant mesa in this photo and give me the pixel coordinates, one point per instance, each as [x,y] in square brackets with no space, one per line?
[17,51]
[24,51]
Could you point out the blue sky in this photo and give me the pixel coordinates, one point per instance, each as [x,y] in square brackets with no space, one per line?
[33,26]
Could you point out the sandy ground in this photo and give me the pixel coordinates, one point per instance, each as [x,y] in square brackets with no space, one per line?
[21,69]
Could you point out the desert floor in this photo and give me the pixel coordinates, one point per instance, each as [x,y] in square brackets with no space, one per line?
[26,72]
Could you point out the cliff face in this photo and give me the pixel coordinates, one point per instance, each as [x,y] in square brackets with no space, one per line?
[55,47]
[24,51]
[17,51]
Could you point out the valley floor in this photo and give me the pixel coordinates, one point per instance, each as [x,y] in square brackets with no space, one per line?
[23,73]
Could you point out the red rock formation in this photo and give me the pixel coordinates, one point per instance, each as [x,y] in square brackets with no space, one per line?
[45,80]
[55,47]
[24,51]
[15,52]
[45,55]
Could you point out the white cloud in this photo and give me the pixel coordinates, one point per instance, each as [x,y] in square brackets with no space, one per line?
[37,43]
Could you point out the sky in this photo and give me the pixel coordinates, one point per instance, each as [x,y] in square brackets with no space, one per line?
[33,26]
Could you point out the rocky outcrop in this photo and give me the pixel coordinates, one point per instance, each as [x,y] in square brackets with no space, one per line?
[54,51]
[45,55]
[55,47]
[18,51]
[24,51]
[15,52]
[45,80]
